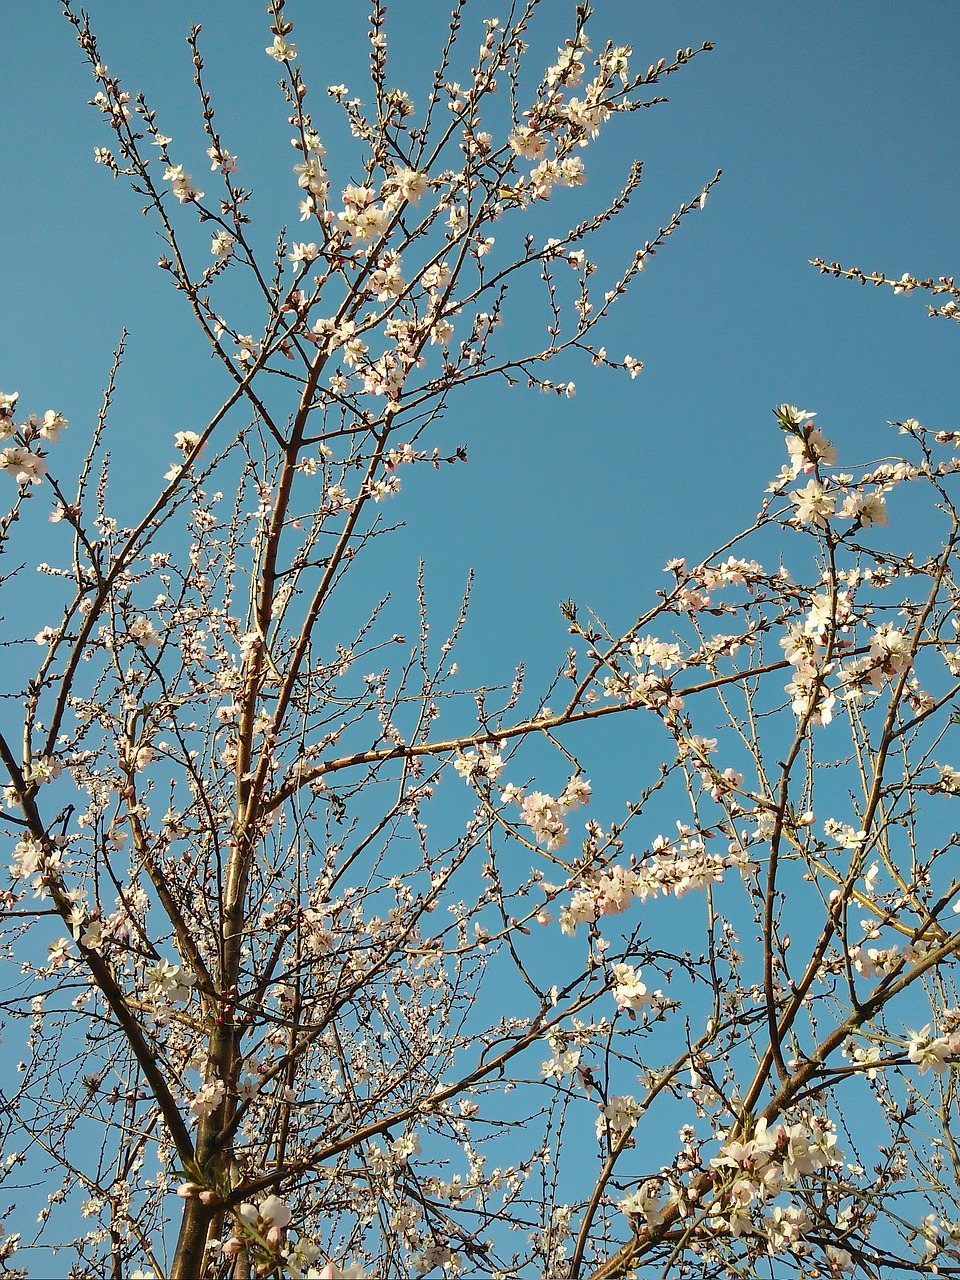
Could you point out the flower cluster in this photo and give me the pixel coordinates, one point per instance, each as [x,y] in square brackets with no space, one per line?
[545,814]
[485,762]
[672,868]
[822,499]
[889,657]
[754,1170]
[628,991]
[25,460]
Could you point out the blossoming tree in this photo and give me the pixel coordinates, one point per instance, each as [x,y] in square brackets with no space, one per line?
[259,974]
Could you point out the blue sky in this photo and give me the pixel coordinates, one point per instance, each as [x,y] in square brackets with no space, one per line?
[835,126]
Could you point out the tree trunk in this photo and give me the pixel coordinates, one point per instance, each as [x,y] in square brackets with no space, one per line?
[192,1241]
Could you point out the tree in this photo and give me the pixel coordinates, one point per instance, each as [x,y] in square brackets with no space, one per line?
[266,1034]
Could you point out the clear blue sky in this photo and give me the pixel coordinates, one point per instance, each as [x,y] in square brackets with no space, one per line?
[837,128]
